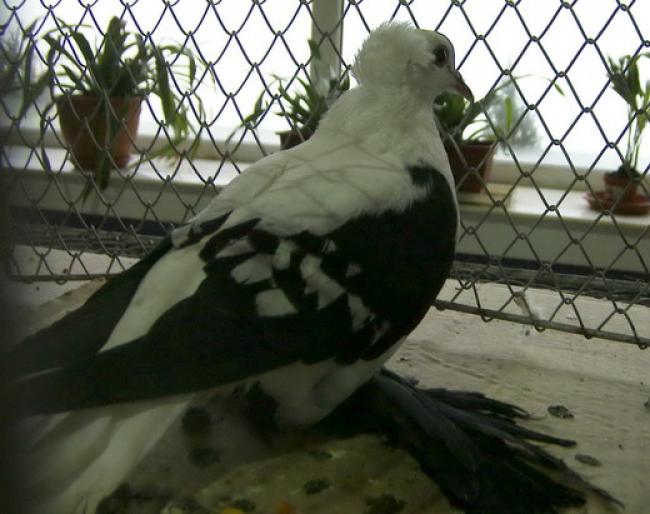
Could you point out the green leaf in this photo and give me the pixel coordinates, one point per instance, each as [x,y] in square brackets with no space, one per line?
[74,78]
[644,116]
[450,110]
[509,113]
[477,108]
[192,66]
[56,44]
[283,92]
[32,91]
[620,85]
[296,108]
[27,74]
[84,46]
[50,56]
[258,108]
[646,99]
[314,49]
[108,64]
[312,97]
[345,83]
[141,56]
[126,82]
[251,118]
[29,30]
[612,66]
[633,82]
[163,90]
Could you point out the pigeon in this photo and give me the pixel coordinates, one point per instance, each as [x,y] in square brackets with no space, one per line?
[297,282]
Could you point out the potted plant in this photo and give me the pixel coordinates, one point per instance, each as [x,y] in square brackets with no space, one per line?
[98,91]
[621,185]
[303,108]
[13,48]
[471,154]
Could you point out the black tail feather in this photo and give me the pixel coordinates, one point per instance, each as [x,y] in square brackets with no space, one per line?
[473,448]
[475,402]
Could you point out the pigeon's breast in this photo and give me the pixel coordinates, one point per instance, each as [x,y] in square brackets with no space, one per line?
[405,256]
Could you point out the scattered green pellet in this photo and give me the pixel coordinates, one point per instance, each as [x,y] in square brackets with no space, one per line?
[196,420]
[560,411]
[384,504]
[244,504]
[316,486]
[203,456]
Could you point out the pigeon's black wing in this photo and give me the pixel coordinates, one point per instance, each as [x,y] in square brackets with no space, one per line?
[264,302]
[84,331]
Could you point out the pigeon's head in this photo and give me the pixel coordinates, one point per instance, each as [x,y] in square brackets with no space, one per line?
[399,56]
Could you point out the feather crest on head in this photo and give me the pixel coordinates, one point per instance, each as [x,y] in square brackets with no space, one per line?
[387,52]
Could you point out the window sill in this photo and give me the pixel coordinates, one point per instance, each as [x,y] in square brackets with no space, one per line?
[525,229]
[564,230]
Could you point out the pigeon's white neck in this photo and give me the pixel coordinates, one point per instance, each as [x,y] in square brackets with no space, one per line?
[390,121]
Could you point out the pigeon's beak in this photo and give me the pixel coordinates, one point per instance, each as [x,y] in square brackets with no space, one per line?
[460,87]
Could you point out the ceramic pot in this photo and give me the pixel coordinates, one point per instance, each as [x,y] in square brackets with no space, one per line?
[291,138]
[620,186]
[85,128]
[474,155]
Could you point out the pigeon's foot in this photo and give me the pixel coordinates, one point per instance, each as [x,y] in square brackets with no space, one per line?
[472,447]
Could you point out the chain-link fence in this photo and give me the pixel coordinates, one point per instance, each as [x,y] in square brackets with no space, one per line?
[560,107]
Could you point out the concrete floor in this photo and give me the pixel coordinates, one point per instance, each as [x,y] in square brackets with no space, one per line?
[605,385]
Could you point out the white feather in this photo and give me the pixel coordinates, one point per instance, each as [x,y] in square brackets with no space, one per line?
[352,271]
[324,183]
[360,313]
[85,455]
[252,270]
[282,256]
[306,393]
[273,302]
[318,282]
[237,247]
[175,276]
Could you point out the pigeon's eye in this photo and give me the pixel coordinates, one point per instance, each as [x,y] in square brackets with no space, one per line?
[441,55]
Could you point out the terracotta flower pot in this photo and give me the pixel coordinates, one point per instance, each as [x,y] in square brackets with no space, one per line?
[84,126]
[291,138]
[620,186]
[475,155]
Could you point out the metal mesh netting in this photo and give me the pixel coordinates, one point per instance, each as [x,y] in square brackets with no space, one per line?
[556,122]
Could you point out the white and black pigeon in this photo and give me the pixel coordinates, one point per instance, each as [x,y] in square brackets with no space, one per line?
[299,280]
